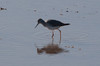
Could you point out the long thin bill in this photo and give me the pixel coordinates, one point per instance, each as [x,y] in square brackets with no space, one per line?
[36,25]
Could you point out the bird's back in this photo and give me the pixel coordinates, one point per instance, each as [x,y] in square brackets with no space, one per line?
[55,23]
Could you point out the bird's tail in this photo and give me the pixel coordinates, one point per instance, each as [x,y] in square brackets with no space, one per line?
[67,24]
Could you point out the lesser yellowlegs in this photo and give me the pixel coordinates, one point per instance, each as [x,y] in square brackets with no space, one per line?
[52,25]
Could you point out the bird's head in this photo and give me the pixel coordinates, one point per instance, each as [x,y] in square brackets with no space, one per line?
[39,22]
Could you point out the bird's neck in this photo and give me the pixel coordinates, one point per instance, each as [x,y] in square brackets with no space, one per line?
[43,23]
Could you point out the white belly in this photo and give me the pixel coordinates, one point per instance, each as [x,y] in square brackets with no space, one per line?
[52,28]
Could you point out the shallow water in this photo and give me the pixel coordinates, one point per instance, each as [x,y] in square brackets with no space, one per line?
[19,40]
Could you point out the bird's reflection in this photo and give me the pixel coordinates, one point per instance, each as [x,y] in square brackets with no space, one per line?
[51,48]
[54,48]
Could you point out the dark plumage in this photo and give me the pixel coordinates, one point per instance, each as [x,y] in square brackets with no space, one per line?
[54,23]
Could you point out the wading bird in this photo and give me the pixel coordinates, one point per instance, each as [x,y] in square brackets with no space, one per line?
[52,25]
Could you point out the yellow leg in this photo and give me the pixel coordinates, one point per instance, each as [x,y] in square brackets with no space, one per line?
[52,37]
[52,34]
[60,35]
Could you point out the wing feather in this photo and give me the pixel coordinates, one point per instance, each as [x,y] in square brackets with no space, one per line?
[55,23]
